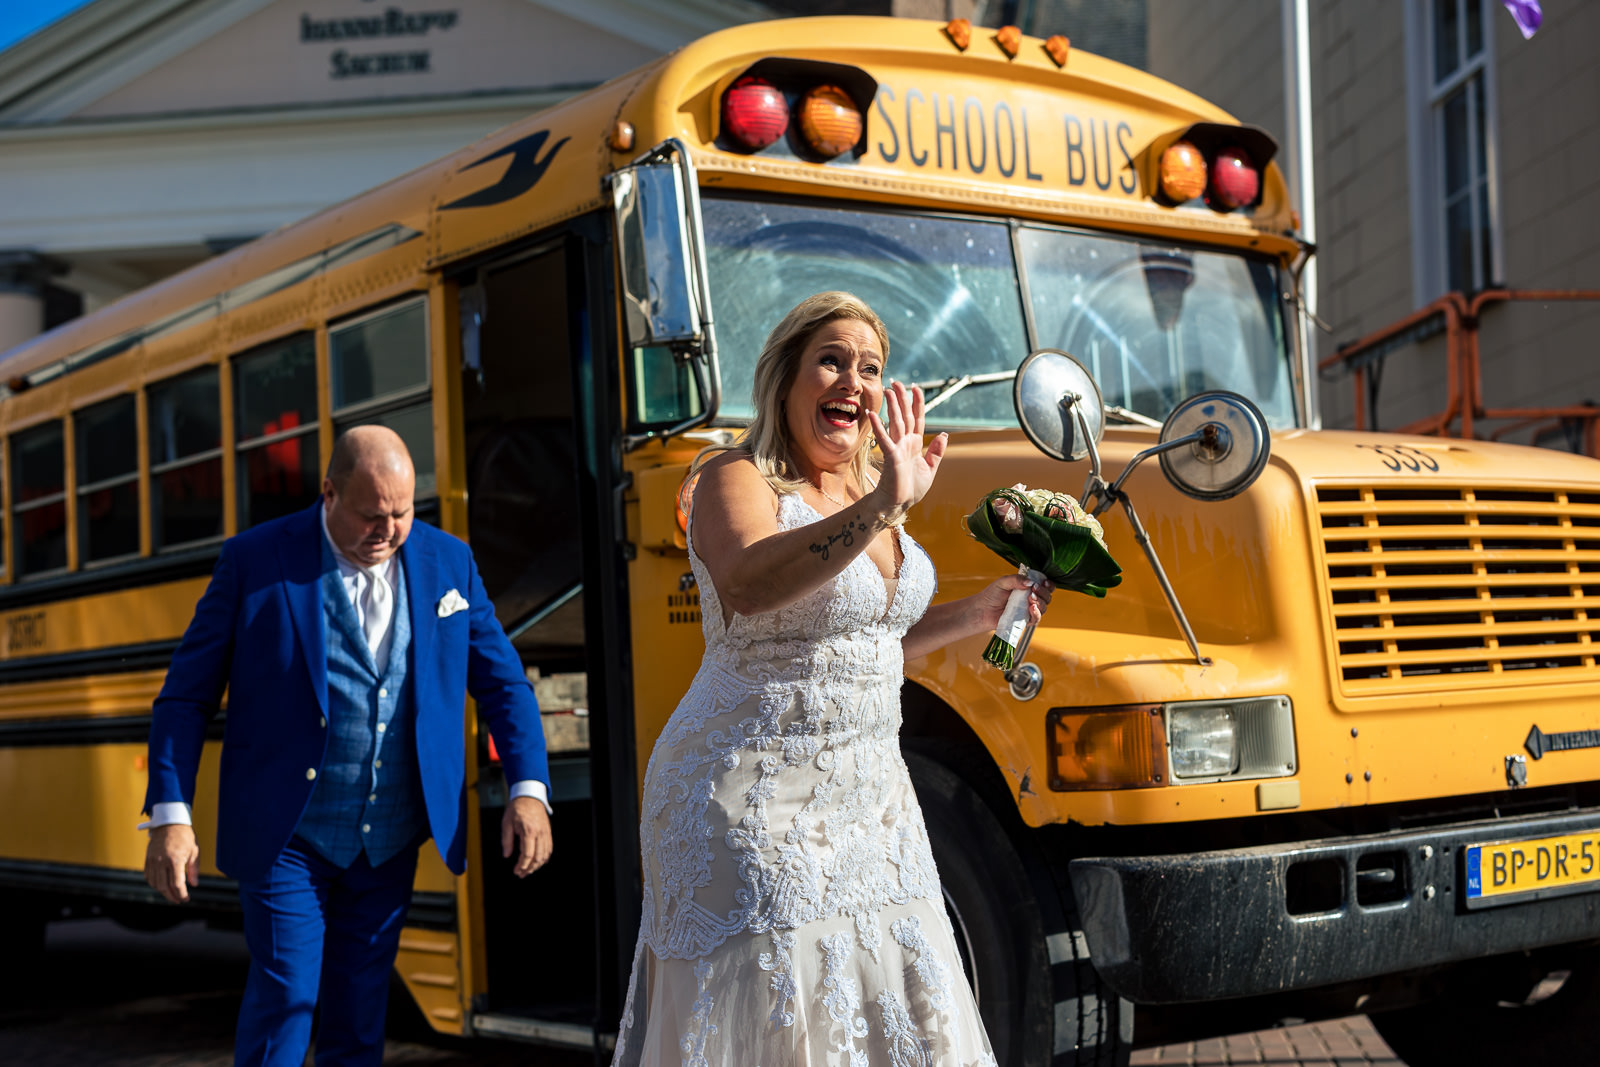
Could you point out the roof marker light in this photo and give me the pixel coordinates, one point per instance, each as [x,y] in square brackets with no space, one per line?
[1009,38]
[1235,182]
[1183,172]
[960,32]
[829,121]
[1057,48]
[754,113]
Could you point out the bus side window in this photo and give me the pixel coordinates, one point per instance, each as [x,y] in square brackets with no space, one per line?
[378,373]
[185,416]
[39,499]
[107,457]
[277,467]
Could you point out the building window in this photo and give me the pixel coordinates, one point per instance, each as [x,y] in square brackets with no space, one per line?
[275,427]
[185,459]
[39,500]
[106,453]
[378,366]
[1458,221]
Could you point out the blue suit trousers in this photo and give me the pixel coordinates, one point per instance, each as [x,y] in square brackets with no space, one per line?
[312,926]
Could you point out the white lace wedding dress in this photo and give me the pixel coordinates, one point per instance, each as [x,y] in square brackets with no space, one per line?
[792,912]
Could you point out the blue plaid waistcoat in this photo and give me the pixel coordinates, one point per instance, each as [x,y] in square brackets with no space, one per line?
[368,794]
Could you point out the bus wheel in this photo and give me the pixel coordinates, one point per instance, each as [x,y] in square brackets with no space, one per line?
[1556,1021]
[1003,929]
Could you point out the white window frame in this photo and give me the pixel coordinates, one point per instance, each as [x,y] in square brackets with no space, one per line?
[1430,270]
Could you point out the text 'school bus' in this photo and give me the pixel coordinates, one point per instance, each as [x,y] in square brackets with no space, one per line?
[1367,782]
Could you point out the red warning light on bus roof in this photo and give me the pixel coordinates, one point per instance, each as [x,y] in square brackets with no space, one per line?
[1235,182]
[754,113]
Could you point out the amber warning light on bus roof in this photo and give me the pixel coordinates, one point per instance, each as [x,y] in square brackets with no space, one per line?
[829,121]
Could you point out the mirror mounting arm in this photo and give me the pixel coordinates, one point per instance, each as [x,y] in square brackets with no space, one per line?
[1205,434]
[1107,496]
[1143,538]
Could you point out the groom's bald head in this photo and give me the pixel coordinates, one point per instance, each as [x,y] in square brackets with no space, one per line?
[367,495]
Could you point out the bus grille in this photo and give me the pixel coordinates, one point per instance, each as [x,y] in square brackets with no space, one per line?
[1445,588]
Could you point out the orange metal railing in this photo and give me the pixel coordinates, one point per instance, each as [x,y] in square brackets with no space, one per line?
[1461,317]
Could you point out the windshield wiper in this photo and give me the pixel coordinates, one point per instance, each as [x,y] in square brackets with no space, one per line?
[1122,414]
[949,387]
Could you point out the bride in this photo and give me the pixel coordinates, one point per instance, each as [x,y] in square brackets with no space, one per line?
[792,912]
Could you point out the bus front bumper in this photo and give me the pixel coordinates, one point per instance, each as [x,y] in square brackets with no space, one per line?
[1243,922]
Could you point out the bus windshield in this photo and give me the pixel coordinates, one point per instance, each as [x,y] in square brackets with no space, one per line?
[1153,322]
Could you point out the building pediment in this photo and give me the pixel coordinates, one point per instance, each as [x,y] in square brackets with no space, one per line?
[116,59]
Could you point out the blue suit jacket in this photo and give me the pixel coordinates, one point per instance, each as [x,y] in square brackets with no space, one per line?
[258,633]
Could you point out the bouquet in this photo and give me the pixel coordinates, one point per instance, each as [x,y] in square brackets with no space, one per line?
[1048,535]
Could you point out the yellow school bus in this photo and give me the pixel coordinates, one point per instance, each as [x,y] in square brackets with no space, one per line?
[1329,747]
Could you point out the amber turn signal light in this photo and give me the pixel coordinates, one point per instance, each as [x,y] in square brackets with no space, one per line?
[685,500]
[1117,747]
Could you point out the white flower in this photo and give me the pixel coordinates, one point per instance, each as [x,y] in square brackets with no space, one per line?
[1043,501]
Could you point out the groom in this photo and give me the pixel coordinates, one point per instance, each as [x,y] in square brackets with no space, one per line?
[346,648]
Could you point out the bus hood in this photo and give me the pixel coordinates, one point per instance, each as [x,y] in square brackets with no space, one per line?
[1296,569]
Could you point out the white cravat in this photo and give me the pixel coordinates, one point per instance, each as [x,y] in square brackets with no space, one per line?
[377,605]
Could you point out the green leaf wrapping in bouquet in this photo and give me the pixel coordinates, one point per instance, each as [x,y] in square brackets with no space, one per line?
[1068,553]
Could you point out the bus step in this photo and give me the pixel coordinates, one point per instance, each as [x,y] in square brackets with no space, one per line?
[539,1031]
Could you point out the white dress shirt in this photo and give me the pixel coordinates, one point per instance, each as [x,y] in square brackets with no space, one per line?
[356,579]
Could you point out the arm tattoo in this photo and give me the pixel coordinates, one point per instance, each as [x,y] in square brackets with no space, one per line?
[845,536]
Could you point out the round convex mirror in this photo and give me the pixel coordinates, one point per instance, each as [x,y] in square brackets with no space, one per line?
[1049,388]
[1230,453]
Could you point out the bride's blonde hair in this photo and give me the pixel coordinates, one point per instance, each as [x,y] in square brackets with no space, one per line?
[766,440]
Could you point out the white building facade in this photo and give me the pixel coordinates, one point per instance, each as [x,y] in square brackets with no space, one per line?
[138,137]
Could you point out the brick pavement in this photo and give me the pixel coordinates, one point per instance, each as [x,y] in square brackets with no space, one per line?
[1348,1042]
[109,997]
[196,1030]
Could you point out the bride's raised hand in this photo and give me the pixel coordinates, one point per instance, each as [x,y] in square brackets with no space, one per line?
[908,468]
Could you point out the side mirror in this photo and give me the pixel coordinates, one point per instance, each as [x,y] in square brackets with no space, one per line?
[1058,405]
[666,295]
[653,245]
[1229,450]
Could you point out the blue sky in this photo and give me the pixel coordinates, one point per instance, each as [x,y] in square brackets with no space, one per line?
[19,18]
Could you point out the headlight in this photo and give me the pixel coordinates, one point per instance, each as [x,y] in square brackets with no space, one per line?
[1203,741]
[1145,746]
[1209,740]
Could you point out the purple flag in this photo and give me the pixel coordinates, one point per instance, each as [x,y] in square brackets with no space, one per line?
[1527,15]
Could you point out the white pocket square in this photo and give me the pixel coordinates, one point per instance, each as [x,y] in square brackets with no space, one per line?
[451,603]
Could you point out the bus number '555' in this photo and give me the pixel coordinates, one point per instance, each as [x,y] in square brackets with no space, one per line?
[1404,458]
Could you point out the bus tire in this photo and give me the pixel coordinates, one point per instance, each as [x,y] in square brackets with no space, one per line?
[1469,1025]
[1007,936]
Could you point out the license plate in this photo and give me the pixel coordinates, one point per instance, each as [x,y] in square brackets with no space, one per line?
[1506,872]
